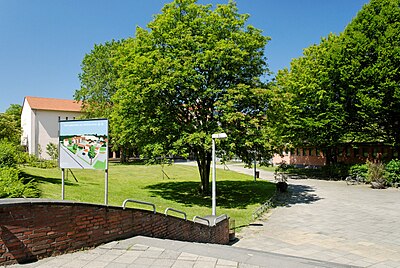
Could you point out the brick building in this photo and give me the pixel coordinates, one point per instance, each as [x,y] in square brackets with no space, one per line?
[346,153]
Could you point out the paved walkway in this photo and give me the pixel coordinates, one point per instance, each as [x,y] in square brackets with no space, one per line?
[331,221]
[146,252]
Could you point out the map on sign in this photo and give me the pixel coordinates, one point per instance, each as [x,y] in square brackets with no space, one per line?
[84,144]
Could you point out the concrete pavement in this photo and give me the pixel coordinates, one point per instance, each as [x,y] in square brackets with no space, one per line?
[141,252]
[330,221]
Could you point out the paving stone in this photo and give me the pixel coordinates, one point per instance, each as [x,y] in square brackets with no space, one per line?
[183,264]
[187,256]
[96,264]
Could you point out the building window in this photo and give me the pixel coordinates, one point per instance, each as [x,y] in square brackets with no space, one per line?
[298,152]
[304,152]
[317,152]
[395,152]
[356,152]
[310,152]
[365,152]
[348,152]
[375,152]
[385,152]
[340,153]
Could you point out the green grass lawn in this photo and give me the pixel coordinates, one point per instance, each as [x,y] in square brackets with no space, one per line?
[237,194]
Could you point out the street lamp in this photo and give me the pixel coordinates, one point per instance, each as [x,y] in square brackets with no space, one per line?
[214,185]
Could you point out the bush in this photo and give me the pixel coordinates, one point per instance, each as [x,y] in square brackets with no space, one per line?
[52,150]
[393,172]
[359,170]
[376,174]
[12,186]
[338,171]
[34,161]
[8,154]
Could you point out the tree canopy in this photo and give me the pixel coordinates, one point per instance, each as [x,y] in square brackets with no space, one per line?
[347,88]
[98,80]
[195,71]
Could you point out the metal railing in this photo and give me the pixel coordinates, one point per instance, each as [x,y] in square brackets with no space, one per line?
[139,202]
[200,218]
[175,210]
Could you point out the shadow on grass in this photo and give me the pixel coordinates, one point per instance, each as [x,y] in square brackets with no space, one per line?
[40,179]
[297,194]
[230,194]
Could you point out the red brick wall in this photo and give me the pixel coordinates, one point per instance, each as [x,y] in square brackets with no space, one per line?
[34,229]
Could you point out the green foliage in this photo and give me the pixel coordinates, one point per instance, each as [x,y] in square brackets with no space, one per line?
[8,154]
[10,124]
[195,72]
[52,150]
[376,173]
[12,186]
[98,80]
[359,170]
[34,161]
[347,88]
[393,172]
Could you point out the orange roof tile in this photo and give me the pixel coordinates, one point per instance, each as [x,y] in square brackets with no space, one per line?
[51,104]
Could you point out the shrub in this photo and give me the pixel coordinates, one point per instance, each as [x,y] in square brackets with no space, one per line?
[393,172]
[336,171]
[52,150]
[12,186]
[359,170]
[34,161]
[376,174]
[8,154]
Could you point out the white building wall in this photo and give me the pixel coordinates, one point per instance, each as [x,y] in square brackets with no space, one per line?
[28,131]
[47,128]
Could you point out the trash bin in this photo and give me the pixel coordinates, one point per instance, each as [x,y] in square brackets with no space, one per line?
[257,174]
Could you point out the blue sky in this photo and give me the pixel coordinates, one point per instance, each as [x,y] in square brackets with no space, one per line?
[43,42]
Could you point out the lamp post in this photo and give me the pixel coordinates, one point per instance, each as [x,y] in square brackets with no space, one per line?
[214,185]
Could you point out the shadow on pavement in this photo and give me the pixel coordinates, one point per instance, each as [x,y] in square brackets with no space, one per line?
[297,194]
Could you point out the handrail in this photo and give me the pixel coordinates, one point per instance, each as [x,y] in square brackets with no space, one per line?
[220,217]
[175,210]
[200,218]
[139,202]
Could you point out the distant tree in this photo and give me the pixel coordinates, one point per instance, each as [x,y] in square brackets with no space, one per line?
[313,111]
[195,72]
[10,124]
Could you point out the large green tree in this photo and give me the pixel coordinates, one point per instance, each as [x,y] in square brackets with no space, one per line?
[98,80]
[98,85]
[195,71]
[366,68]
[345,89]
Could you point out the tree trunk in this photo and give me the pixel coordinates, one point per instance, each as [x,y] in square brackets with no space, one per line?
[204,165]
[123,155]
